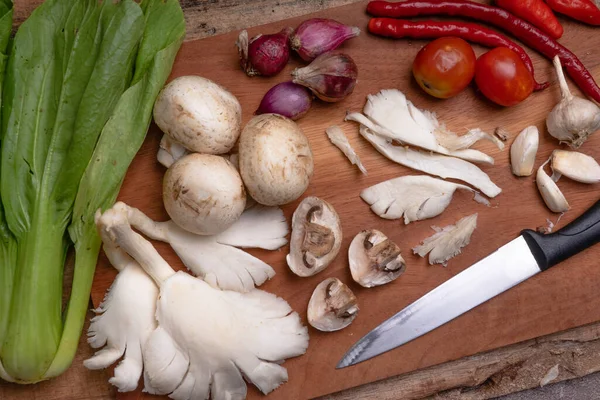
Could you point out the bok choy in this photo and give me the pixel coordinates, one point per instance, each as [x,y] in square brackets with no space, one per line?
[80,82]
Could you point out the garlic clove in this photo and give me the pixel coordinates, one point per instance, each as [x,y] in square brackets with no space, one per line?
[550,192]
[316,237]
[574,165]
[574,118]
[523,151]
[374,259]
[332,306]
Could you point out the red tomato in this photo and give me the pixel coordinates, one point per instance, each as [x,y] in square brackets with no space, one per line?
[444,67]
[502,77]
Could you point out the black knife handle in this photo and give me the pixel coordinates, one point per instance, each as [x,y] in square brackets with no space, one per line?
[556,247]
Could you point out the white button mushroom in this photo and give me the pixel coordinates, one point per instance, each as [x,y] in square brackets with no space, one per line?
[332,306]
[374,259]
[316,237]
[199,114]
[203,194]
[276,162]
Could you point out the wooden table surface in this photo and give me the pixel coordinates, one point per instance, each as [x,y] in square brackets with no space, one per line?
[486,375]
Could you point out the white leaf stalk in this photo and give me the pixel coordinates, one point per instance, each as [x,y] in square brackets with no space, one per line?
[576,166]
[338,138]
[390,114]
[433,164]
[523,151]
[550,192]
[416,197]
[215,258]
[207,340]
[574,118]
[447,242]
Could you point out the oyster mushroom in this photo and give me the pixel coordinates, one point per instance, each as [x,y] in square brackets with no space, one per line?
[316,237]
[332,306]
[374,259]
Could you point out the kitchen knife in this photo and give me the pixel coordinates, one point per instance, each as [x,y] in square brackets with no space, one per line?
[508,266]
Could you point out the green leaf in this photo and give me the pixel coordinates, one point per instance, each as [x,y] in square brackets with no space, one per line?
[120,140]
[69,65]
[7,242]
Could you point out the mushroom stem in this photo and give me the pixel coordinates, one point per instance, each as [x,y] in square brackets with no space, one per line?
[140,221]
[114,224]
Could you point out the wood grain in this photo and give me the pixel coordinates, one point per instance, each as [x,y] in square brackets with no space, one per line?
[495,373]
[206,18]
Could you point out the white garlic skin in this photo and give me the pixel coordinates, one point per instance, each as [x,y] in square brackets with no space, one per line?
[523,151]
[573,119]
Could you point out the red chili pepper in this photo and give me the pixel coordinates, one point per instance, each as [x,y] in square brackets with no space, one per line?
[527,33]
[581,10]
[398,28]
[536,12]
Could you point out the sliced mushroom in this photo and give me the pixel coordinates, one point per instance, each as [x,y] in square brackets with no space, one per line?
[374,259]
[332,306]
[316,237]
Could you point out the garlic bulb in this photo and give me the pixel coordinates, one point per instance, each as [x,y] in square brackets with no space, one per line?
[573,119]
[550,192]
[523,151]
[574,165]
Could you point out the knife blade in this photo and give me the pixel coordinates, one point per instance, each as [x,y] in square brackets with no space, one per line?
[513,263]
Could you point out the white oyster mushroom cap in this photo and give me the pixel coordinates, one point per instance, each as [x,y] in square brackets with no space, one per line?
[198,113]
[316,237]
[203,194]
[332,306]
[275,158]
[374,259]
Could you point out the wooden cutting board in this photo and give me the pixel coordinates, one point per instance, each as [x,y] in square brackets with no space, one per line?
[561,298]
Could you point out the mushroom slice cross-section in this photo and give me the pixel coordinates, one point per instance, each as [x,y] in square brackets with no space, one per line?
[316,237]
[374,259]
[332,306]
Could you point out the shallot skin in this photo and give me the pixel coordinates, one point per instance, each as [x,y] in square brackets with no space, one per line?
[264,55]
[331,76]
[316,36]
[288,99]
